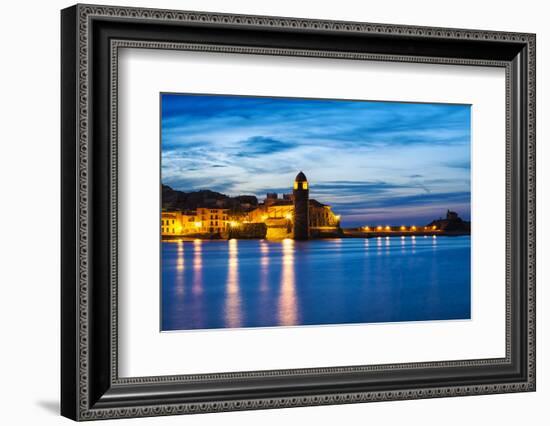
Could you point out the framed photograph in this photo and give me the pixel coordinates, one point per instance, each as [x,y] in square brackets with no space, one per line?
[263,212]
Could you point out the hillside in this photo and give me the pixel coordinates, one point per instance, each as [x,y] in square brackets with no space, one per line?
[173,199]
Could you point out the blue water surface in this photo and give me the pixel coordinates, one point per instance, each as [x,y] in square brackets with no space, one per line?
[258,283]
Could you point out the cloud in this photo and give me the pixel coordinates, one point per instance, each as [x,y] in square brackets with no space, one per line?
[355,185]
[465,164]
[261,145]
[358,155]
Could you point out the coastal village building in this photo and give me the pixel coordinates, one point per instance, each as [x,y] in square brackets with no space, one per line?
[170,223]
[294,215]
[213,220]
[177,223]
[202,221]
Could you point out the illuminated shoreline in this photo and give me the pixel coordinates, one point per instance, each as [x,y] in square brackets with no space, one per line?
[345,235]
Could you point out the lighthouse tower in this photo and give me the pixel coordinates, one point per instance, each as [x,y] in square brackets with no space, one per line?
[301,207]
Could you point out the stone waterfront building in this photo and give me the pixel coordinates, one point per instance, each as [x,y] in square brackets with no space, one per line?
[295,215]
[451,223]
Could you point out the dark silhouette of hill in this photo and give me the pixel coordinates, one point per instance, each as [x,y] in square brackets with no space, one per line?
[173,199]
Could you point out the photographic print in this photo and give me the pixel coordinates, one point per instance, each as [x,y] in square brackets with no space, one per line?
[306,212]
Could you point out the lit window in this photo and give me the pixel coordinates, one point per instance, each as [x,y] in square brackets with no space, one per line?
[304,185]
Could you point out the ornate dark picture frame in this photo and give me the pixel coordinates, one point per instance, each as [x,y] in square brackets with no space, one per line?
[91,37]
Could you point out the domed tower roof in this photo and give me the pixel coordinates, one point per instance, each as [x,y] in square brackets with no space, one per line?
[300,177]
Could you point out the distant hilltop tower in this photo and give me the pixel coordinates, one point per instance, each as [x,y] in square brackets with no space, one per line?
[301,207]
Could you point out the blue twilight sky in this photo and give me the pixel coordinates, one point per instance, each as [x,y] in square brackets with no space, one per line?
[374,162]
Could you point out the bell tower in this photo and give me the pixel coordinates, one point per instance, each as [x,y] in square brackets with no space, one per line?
[301,207]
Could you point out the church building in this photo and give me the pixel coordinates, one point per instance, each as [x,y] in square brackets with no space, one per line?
[295,215]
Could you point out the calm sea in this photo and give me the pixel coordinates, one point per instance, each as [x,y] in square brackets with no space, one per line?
[252,283]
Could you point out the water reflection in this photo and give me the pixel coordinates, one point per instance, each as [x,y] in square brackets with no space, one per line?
[378,246]
[197,267]
[264,267]
[180,262]
[233,298]
[252,283]
[180,266]
[287,298]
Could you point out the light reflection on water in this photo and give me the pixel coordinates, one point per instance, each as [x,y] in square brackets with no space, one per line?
[197,267]
[257,283]
[287,298]
[233,298]
[264,271]
[180,264]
